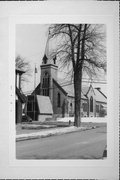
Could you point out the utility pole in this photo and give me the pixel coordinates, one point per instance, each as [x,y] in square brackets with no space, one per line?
[35,71]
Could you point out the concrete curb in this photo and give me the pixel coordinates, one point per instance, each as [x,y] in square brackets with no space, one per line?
[34,126]
[43,134]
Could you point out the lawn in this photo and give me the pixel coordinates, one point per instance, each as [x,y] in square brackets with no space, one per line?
[37,126]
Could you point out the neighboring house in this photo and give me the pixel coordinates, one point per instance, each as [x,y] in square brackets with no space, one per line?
[20,97]
[62,95]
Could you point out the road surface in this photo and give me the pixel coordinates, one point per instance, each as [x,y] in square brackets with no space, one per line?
[78,145]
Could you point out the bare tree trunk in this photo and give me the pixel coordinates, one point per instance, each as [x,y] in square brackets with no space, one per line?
[78,77]
[77,90]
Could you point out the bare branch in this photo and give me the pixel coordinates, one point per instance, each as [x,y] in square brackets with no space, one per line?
[24,65]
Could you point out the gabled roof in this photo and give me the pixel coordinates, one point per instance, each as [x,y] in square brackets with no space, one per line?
[102,92]
[44,104]
[69,88]
[36,90]
[99,96]
[86,89]
[60,87]
[20,95]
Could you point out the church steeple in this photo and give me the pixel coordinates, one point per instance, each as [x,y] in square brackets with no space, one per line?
[47,58]
[48,72]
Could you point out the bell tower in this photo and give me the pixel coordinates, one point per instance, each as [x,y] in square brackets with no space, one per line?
[48,73]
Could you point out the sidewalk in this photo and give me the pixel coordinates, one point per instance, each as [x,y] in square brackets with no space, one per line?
[50,132]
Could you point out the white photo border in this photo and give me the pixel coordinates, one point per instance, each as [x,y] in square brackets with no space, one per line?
[53,20]
[100,165]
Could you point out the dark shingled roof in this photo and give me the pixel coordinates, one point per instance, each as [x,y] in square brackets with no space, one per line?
[37,90]
[18,70]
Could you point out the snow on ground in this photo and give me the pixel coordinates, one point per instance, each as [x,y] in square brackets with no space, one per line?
[84,119]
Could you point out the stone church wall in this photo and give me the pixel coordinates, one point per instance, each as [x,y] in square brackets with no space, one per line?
[71,101]
[62,110]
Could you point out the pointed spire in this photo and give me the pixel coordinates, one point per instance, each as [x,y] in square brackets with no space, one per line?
[46,58]
[47,53]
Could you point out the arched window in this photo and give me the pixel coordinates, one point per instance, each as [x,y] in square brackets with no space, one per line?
[58,100]
[45,84]
[70,104]
[91,104]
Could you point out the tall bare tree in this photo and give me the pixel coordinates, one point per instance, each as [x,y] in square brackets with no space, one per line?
[23,65]
[81,47]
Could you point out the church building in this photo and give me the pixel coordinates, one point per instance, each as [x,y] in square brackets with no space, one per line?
[57,100]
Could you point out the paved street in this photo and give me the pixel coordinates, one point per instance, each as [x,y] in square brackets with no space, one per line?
[78,145]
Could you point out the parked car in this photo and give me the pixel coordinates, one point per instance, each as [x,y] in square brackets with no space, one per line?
[26,118]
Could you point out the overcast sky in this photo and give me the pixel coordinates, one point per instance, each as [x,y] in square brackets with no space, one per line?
[30,44]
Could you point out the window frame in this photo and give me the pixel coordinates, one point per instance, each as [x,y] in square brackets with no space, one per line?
[58,99]
[91,104]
